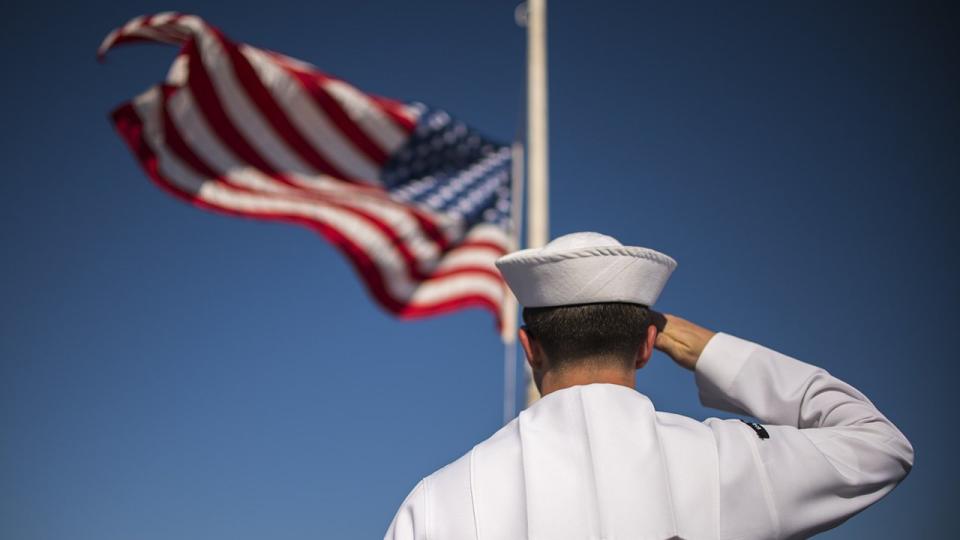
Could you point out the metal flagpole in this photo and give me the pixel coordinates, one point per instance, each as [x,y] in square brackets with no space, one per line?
[508,330]
[533,15]
[537,171]
[508,333]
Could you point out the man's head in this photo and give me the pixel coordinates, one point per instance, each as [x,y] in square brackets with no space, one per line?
[584,343]
[585,296]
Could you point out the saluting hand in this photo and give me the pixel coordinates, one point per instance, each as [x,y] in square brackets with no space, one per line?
[682,340]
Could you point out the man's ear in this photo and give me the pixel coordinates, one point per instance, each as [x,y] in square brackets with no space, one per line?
[528,350]
[646,350]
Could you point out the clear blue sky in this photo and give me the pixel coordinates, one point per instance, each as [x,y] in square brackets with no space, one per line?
[171,373]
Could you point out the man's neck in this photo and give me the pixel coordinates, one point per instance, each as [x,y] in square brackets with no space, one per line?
[554,380]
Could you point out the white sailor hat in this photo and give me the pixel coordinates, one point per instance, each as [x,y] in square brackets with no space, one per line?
[586,268]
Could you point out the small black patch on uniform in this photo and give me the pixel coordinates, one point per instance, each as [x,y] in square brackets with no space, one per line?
[757,428]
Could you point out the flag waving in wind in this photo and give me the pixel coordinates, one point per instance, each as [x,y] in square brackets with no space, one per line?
[418,201]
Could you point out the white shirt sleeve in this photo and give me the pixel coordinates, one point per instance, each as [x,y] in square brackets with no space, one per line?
[828,455]
[410,521]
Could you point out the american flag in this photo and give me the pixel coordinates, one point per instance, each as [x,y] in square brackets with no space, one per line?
[416,200]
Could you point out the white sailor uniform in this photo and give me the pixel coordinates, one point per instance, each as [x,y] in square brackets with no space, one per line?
[599,462]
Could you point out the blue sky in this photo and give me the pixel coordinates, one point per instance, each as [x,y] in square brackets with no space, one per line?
[171,373]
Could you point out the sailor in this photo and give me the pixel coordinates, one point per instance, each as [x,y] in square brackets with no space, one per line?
[593,458]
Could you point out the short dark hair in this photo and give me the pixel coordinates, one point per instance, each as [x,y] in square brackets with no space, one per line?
[609,332]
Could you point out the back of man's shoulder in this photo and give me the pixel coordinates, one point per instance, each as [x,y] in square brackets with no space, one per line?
[486,480]
[484,458]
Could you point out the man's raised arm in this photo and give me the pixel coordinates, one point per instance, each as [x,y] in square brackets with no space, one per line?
[824,452]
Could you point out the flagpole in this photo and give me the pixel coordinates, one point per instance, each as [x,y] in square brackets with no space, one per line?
[508,334]
[508,329]
[537,169]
